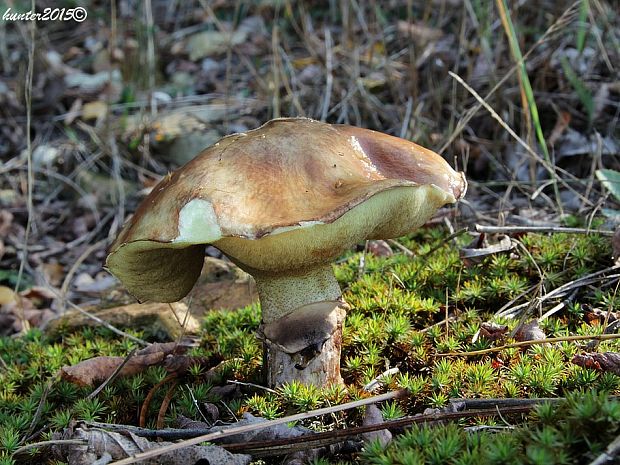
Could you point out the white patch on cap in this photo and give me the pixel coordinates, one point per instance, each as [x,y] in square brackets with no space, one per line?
[198,223]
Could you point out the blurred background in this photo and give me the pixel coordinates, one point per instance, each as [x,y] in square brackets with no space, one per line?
[523,96]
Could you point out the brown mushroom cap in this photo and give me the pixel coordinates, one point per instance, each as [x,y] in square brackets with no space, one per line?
[283,198]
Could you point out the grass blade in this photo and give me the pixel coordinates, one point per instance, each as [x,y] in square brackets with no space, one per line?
[515,50]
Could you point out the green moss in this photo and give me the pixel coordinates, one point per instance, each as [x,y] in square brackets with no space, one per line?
[573,432]
[391,302]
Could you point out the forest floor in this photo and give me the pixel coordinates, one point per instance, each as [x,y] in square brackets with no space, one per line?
[509,296]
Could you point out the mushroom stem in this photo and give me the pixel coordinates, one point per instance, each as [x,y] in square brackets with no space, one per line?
[303,317]
[281,295]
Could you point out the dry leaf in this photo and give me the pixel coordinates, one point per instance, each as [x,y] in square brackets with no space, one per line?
[53,273]
[379,248]
[480,248]
[492,331]
[606,361]
[94,110]
[529,332]
[6,218]
[107,446]
[7,296]
[96,370]
[419,31]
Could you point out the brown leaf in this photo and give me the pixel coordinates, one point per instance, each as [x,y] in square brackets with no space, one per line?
[606,361]
[6,218]
[493,331]
[96,370]
[53,273]
[420,32]
[380,248]
[561,125]
[7,295]
[529,332]
[480,248]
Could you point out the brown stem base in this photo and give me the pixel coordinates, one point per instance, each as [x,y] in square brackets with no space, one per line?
[317,364]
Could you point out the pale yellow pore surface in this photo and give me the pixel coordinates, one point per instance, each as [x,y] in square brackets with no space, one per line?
[166,271]
[391,213]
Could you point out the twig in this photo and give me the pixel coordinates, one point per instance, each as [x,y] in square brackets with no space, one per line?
[378,381]
[161,415]
[67,281]
[557,25]
[610,454]
[540,229]
[439,323]
[407,119]
[444,241]
[150,54]
[561,290]
[55,442]
[149,397]
[310,441]
[104,323]
[171,434]
[329,79]
[550,340]
[549,167]
[560,306]
[112,377]
[580,282]
[254,427]
[401,247]
[257,386]
[37,414]
[471,404]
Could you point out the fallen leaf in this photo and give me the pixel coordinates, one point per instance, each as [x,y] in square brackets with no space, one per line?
[44,155]
[606,361]
[6,219]
[94,110]
[92,83]
[492,331]
[420,32]
[38,294]
[529,332]
[561,125]
[380,248]
[104,446]
[206,43]
[53,273]
[203,44]
[96,370]
[100,283]
[7,295]
[480,248]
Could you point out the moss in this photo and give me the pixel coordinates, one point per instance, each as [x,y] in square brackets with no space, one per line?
[391,302]
[575,431]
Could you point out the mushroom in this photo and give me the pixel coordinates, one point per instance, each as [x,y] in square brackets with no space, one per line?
[282,202]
